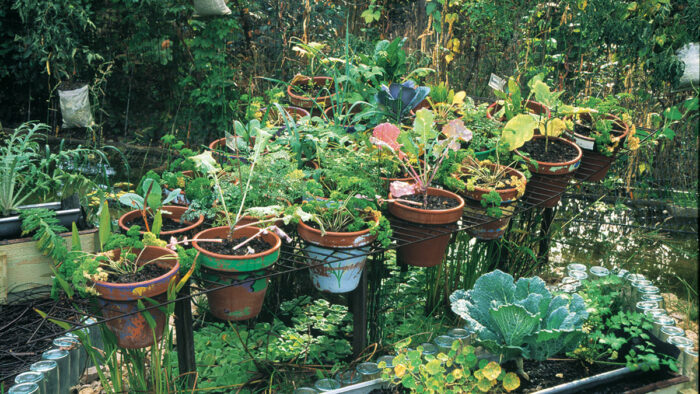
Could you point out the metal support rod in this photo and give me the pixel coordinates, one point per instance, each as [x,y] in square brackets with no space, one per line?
[358,304]
[185,338]
[543,252]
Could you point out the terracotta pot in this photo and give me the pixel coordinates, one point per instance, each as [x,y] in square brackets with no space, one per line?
[533,106]
[492,228]
[430,252]
[242,300]
[117,299]
[218,147]
[329,112]
[345,251]
[310,103]
[594,165]
[237,264]
[550,180]
[174,213]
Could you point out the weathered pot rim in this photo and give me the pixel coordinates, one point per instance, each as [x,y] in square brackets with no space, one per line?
[148,283]
[171,209]
[295,110]
[304,230]
[306,78]
[491,108]
[204,234]
[615,119]
[550,164]
[427,211]
[480,190]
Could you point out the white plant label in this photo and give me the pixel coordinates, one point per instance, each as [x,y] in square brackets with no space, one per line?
[496,82]
[584,144]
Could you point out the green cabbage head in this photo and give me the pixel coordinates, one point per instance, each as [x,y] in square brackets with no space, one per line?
[522,319]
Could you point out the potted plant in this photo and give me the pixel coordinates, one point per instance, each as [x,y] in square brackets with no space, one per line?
[417,202]
[486,131]
[238,145]
[490,190]
[152,212]
[600,134]
[510,102]
[396,101]
[236,265]
[338,228]
[311,92]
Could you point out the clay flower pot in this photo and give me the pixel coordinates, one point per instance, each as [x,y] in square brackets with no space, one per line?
[493,228]
[533,106]
[308,102]
[345,251]
[549,180]
[244,296]
[173,213]
[117,299]
[595,165]
[430,252]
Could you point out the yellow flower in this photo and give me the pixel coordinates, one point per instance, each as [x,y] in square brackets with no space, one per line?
[399,370]
[633,143]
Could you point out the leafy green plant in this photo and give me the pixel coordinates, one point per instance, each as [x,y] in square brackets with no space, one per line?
[150,203]
[522,319]
[397,100]
[457,371]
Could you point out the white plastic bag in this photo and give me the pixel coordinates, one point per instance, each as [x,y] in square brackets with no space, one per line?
[75,107]
[690,55]
[210,8]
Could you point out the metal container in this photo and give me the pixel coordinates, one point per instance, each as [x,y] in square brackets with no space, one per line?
[346,378]
[659,322]
[652,313]
[72,345]
[305,390]
[62,360]
[621,273]
[460,334]
[643,306]
[653,297]
[49,369]
[33,377]
[368,371]
[444,343]
[84,357]
[24,388]
[670,331]
[326,385]
[690,366]
[575,267]
[579,275]
[599,272]
[627,286]
[388,360]
[636,285]
[429,348]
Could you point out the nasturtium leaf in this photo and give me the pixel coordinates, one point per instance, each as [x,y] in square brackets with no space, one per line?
[491,371]
[484,385]
[511,381]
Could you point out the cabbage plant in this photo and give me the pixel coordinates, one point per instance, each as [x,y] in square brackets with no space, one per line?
[522,319]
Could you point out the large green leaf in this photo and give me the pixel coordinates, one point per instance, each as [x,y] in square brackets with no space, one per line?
[423,124]
[514,323]
[519,130]
[547,343]
[105,228]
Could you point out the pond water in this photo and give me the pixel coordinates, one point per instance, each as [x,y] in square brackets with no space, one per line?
[645,240]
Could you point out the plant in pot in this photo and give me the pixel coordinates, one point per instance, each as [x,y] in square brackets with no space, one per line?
[236,266]
[511,102]
[421,152]
[338,224]
[600,135]
[238,145]
[551,160]
[445,103]
[152,212]
[486,131]
[490,191]
[32,173]
[396,101]
[516,320]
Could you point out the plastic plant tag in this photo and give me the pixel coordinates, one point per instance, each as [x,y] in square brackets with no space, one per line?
[496,82]
[75,107]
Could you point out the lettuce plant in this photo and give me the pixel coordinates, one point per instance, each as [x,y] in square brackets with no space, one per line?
[522,319]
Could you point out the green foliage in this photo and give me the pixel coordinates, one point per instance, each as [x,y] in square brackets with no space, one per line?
[457,371]
[520,319]
[45,229]
[391,57]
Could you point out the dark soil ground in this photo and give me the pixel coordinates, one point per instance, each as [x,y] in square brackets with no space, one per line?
[434,202]
[148,272]
[226,247]
[554,152]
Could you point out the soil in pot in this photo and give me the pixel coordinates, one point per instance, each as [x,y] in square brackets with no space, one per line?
[434,202]
[148,272]
[551,152]
[550,373]
[168,224]
[226,247]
